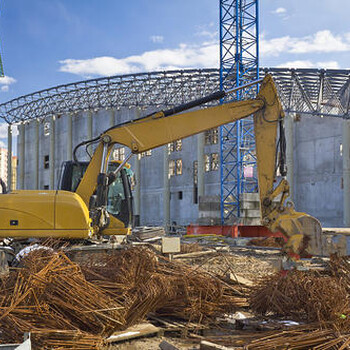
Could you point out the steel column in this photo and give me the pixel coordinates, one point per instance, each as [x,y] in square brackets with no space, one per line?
[9,157]
[346,172]
[52,153]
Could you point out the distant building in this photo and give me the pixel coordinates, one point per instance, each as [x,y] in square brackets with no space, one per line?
[14,172]
[3,164]
[3,168]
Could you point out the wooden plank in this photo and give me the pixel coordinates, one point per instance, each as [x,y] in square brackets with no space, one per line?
[241,280]
[336,230]
[206,345]
[194,254]
[138,331]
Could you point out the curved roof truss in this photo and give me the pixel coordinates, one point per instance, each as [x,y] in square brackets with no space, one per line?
[311,91]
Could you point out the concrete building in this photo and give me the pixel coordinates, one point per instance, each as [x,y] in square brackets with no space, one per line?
[181,182]
[317,176]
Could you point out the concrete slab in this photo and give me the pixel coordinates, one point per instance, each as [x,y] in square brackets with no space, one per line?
[171,245]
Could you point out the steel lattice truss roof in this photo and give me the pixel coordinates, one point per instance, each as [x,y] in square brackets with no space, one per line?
[310,91]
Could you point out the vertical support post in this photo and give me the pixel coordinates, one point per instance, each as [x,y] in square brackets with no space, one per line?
[52,153]
[36,154]
[111,117]
[289,125]
[9,157]
[89,130]
[69,136]
[137,190]
[166,187]
[346,172]
[200,157]
[21,128]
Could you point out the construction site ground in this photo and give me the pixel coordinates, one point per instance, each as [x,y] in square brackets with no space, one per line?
[220,290]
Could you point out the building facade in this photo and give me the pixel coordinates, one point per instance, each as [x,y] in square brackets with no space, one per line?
[167,177]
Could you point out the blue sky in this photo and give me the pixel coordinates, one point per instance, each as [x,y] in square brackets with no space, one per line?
[50,42]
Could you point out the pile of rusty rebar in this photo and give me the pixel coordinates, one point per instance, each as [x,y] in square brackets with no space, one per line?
[50,293]
[151,283]
[305,296]
[68,306]
[301,338]
[322,299]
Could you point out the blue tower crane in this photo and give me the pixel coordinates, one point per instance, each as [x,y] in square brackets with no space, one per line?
[239,64]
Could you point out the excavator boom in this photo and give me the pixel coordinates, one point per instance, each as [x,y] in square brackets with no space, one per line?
[160,128]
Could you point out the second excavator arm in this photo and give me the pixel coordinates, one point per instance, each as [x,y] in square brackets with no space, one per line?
[160,128]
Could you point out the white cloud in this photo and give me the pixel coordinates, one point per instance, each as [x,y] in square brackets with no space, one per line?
[206,55]
[184,56]
[310,64]
[320,42]
[207,31]
[157,39]
[280,11]
[5,83]
[3,130]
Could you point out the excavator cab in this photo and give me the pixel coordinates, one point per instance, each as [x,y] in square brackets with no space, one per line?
[119,202]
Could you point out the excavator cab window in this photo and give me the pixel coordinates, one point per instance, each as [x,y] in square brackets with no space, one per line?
[119,193]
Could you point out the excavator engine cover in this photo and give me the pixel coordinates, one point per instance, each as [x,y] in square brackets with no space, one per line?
[59,214]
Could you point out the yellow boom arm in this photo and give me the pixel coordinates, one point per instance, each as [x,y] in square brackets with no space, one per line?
[158,129]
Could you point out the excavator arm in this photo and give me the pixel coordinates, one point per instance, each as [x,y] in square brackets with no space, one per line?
[160,128]
[303,231]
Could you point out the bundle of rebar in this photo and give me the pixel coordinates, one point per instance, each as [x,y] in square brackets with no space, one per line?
[50,293]
[66,339]
[301,338]
[151,283]
[303,295]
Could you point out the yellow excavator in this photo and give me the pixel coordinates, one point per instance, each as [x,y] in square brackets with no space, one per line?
[95,197]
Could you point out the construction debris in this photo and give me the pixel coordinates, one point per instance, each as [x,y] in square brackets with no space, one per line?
[133,332]
[144,233]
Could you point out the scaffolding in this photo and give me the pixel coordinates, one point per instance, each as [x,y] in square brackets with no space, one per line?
[239,64]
